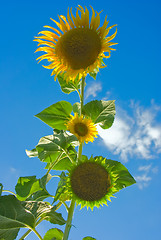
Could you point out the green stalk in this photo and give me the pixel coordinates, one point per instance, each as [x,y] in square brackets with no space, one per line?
[69,220]
[82,94]
[27,233]
[81,108]
[72,205]
[38,235]
[9,192]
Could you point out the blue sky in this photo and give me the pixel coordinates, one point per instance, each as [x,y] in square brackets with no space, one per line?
[132,78]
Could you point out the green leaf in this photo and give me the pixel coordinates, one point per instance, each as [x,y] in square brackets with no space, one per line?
[13,216]
[44,211]
[101,112]
[70,86]
[27,186]
[63,162]
[53,234]
[32,153]
[76,107]
[40,195]
[94,73]
[60,192]
[32,188]
[56,115]
[58,149]
[1,189]
[89,238]
[125,179]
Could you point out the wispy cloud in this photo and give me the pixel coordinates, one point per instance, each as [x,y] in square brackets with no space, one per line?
[93,89]
[145,175]
[134,135]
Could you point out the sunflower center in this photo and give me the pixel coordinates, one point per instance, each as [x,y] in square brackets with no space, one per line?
[81,129]
[90,181]
[79,47]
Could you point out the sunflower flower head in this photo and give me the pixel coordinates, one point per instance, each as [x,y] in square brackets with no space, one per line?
[83,128]
[78,46]
[91,182]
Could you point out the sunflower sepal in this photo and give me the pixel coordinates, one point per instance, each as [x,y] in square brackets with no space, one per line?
[101,112]
[108,175]
[56,115]
[68,86]
[93,171]
[94,73]
[121,173]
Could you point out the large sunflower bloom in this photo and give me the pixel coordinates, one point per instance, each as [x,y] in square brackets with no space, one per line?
[83,128]
[78,47]
[91,183]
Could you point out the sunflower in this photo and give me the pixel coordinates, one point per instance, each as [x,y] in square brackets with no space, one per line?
[83,128]
[91,183]
[78,47]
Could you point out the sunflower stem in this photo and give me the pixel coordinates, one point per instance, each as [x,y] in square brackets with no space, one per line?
[81,108]
[82,94]
[69,220]
[80,151]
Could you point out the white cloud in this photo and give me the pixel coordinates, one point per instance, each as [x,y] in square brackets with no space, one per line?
[134,135]
[145,177]
[93,89]
[13,170]
[108,93]
[143,180]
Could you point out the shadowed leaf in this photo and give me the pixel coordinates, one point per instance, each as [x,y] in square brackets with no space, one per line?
[101,112]
[31,188]
[44,211]
[13,216]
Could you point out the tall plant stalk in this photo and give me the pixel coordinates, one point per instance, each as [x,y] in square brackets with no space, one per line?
[72,205]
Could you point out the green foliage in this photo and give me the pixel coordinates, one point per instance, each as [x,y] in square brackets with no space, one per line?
[44,211]
[53,234]
[13,216]
[94,73]
[76,108]
[57,150]
[32,153]
[101,112]
[56,115]
[68,87]
[60,192]
[31,188]
[125,179]
[26,186]
[89,238]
